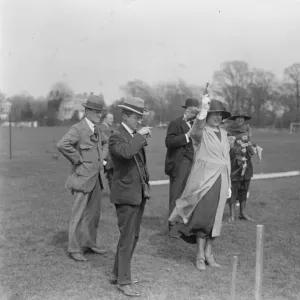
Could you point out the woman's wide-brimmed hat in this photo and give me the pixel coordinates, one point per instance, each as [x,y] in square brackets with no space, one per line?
[218,106]
[94,102]
[240,114]
[191,102]
[134,104]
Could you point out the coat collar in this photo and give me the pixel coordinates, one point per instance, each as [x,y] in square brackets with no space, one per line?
[84,125]
[127,128]
[123,130]
[184,125]
[90,124]
[221,143]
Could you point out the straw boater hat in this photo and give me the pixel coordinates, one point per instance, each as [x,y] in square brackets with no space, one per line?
[239,114]
[217,106]
[94,102]
[134,104]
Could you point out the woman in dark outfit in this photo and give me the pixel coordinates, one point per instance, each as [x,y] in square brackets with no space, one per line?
[198,214]
[239,182]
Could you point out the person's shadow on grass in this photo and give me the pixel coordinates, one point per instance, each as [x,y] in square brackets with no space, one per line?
[166,247]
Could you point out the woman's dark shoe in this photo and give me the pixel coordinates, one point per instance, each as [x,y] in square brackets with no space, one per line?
[245,217]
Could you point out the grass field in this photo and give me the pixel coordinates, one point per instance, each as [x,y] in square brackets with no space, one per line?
[35,208]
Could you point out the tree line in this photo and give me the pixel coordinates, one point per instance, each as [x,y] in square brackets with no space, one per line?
[269,100]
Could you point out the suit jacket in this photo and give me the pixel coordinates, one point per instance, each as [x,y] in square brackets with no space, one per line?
[126,183]
[177,146]
[86,153]
[105,129]
[108,132]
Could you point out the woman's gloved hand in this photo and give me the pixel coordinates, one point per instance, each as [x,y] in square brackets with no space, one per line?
[229,193]
[205,105]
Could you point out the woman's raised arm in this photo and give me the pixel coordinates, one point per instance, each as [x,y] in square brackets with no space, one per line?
[200,121]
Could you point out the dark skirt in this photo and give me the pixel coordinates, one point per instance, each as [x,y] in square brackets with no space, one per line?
[202,220]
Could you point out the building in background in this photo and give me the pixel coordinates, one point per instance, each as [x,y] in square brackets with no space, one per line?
[71,107]
[5,106]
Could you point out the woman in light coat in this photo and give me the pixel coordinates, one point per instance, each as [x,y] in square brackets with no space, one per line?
[198,214]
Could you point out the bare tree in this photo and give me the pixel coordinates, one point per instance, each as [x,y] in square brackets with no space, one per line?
[292,75]
[231,82]
[261,85]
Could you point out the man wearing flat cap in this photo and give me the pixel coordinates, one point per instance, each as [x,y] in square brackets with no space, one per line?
[85,147]
[180,152]
[128,191]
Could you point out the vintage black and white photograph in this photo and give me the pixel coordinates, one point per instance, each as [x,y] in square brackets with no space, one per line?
[149,149]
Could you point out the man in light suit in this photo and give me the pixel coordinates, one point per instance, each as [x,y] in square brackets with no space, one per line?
[105,127]
[85,147]
[126,145]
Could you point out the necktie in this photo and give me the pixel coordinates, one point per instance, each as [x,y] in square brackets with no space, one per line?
[191,122]
[95,136]
[134,132]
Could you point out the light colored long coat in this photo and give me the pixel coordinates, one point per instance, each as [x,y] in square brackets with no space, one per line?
[210,161]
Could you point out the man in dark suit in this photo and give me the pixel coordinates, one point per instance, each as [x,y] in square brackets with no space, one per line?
[105,126]
[85,147]
[180,152]
[127,189]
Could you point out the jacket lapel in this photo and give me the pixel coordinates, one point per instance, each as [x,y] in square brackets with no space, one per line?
[185,127]
[125,133]
[214,137]
[86,127]
[221,143]
[128,136]
[90,134]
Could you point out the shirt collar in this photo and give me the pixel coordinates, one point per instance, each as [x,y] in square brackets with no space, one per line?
[187,122]
[91,125]
[128,128]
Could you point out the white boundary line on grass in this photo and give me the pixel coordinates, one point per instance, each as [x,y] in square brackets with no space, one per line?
[255,177]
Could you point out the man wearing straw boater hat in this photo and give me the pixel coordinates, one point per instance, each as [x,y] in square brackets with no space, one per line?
[85,147]
[130,188]
[180,152]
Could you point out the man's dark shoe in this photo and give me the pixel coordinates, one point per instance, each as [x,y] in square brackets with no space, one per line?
[96,250]
[114,280]
[127,290]
[77,256]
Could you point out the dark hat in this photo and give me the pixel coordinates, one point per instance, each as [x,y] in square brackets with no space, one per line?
[134,104]
[191,102]
[240,114]
[94,102]
[218,106]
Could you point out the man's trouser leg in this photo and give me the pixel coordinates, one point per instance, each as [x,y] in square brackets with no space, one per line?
[129,221]
[84,220]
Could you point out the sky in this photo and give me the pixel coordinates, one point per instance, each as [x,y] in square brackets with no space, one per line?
[98,45]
